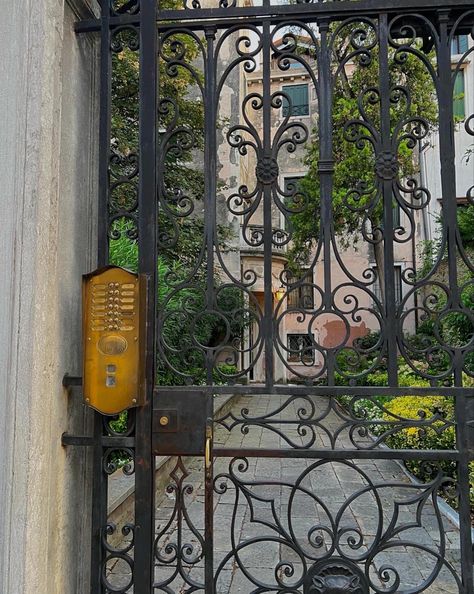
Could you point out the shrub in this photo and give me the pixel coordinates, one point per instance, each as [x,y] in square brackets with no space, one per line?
[224,372]
[183,324]
[221,374]
[368,341]
[119,425]
[440,435]
[379,378]
[349,363]
[419,408]
[359,358]
[465,217]
[366,408]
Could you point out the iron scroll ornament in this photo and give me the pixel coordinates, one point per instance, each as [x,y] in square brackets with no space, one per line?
[335,576]
[326,551]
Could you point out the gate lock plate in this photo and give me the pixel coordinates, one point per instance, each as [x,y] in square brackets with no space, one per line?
[179,423]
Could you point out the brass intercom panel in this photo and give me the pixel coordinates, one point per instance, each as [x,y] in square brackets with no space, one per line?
[113,333]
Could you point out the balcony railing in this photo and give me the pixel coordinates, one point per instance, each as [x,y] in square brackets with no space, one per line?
[252,239]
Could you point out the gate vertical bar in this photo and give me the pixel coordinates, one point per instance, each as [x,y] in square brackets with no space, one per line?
[449,209]
[144,466]
[464,486]
[326,170]
[104,134]
[387,238]
[210,187]
[267,212]
[99,478]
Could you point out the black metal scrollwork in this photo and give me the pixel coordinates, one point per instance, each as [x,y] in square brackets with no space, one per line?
[118,582]
[331,554]
[317,421]
[170,549]
[234,304]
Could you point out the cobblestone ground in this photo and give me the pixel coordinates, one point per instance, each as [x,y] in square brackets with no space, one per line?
[258,510]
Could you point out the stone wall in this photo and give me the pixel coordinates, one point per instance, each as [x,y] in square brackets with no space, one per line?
[48,102]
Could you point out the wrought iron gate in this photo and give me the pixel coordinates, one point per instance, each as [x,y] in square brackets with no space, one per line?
[210,111]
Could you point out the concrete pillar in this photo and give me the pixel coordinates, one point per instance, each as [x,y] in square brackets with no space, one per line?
[48,163]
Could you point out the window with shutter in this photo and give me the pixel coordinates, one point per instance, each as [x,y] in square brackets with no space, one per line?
[459,44]
[459,110]
[301,296]
[298,104]
[300,348]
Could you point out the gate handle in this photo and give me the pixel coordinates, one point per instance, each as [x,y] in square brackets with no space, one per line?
[208,454]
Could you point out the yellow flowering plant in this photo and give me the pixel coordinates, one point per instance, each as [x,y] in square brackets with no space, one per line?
[433,429]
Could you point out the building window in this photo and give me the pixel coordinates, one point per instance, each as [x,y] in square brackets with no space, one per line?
[301,296]
[298,96]
[459,110]
[398,285]
[300,348]
[459,44]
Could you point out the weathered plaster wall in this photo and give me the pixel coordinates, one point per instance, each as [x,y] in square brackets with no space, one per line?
[48,104]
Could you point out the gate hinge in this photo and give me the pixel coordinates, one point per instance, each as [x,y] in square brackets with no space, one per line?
[70,381]
[107,441]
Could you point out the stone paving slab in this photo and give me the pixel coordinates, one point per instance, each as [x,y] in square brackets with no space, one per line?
[266,516]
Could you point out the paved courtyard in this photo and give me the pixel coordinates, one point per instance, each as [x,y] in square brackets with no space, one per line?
[275,518]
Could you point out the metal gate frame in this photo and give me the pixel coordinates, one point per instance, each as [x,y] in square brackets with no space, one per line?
[143,16]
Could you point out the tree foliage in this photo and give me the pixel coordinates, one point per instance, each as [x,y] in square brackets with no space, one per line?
[181,184]
[353,198]
[465,215]
[180,106]
[208,330]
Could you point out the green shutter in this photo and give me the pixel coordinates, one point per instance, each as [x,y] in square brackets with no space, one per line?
[462,44]
[298,95]
[459,44]
[458,96]
[286,105]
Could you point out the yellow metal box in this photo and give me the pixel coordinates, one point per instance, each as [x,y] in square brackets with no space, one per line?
[113,334]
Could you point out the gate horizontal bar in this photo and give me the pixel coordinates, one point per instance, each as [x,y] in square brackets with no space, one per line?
[304,11]
[107,441]
[70,381]
[327,454]
[294,390]
[312,11]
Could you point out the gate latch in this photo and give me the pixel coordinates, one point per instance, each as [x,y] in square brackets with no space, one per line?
[179,423]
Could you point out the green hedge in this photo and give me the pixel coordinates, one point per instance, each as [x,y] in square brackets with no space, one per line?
[440,435]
